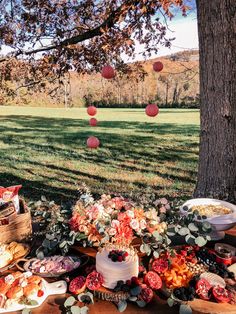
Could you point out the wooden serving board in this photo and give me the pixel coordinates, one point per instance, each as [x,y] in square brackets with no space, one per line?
[111,296]
[58,287]
[207,307]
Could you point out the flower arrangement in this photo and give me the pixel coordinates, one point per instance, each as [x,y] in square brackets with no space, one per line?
[114,220]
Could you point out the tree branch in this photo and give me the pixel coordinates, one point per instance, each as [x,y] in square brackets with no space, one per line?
[97,31]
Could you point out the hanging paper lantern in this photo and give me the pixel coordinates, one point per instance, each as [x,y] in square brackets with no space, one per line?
[92,110]
[152,110]
[93,142]
[108,72]
[158,66]
[93,122]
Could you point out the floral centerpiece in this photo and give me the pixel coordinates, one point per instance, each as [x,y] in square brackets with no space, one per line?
[115,220]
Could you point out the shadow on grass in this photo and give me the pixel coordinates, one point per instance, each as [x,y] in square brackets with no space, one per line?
[28,143]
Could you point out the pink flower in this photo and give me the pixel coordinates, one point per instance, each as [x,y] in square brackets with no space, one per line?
[134,224]
[109,209]
[115,223]
[112,231]
[83,228]
[162,210]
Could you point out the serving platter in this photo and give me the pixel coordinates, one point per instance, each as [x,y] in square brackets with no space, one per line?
[26,266]
[58,287]
[220,223]
[15,261]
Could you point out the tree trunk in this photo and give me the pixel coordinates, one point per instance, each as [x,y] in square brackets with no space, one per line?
[217,49]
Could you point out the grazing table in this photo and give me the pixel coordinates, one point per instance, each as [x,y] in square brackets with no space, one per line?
[54,304]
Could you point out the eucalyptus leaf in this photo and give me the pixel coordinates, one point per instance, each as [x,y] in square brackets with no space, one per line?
[26,311]
[84,310]
[185,309]
[170,302]
[62,244]
[200,241]
[141,303]
[206,225]
[70,301]
[156,254]
[43,198]
[122,305]
[145,248]
[183,231]
[193,227]
[190,239]
[75,309]
[135,291]
[33,302]
[133,299]
[157,236]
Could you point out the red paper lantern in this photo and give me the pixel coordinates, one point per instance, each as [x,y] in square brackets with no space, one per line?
[158,66]
[92,110]
[93,142]
[108,72]
[93,122]
[152,110]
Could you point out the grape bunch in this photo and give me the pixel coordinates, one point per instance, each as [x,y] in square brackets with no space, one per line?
[184,293]
[209,259]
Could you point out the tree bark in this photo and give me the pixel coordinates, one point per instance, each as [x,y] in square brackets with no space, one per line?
[217,49]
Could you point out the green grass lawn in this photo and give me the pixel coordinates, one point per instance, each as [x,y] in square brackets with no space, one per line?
[44,149]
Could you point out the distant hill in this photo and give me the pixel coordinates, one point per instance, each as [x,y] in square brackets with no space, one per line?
[176,85]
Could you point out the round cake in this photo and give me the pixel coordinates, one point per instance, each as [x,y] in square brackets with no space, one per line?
[117,264]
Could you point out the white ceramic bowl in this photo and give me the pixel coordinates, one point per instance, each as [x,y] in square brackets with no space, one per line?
[222,222]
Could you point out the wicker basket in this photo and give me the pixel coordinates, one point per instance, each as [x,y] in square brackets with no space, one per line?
[19,227]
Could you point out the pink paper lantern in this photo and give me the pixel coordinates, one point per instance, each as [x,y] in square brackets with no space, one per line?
[108,72]
[93,122]
[92,110]
[158,66]
[93,142]
[152,110]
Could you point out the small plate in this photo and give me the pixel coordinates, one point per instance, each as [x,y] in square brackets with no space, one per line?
[26,266]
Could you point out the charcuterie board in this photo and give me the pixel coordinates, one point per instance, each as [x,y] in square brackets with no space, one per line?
[58,287]
[207,307]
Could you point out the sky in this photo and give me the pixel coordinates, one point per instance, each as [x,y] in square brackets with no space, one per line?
[183,29]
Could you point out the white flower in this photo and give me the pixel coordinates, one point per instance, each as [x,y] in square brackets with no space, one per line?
[134,224]
[142,224]
[151,214]
[130,213]
[115,223]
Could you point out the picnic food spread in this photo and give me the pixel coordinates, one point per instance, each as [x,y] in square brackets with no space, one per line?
[122,269]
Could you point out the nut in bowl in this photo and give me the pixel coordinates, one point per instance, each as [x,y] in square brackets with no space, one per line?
[221,214]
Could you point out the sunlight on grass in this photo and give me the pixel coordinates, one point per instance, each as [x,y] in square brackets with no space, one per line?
[45,150]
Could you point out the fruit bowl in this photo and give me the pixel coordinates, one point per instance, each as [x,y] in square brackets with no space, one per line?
[219,222]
